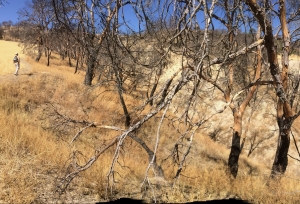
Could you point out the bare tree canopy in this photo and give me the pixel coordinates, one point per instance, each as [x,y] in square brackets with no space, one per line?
[185,62]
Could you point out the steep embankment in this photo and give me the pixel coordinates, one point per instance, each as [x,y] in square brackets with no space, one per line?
[259,122]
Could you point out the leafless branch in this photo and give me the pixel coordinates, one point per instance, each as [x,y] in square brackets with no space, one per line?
[80,131]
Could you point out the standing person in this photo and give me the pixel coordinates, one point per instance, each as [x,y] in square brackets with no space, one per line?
[17,63]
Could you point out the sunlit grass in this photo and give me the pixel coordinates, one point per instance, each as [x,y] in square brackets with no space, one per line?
[32,158]
[8,50]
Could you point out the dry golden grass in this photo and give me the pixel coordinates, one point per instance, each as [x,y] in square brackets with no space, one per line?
[8,50]
[32,158]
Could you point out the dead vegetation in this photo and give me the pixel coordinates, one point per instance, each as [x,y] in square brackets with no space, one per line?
[42,113]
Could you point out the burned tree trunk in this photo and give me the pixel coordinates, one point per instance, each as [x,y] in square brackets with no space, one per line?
[285,114]
[235,150]
[284,111]
[69,59]
[91,64]
[48,56]
[156,80]
[126,113]
[238,113]
[40,47]
[38,57]
[281,157]
[119,83]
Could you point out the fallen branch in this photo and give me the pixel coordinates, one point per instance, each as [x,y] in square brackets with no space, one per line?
[69,177]
[80,131]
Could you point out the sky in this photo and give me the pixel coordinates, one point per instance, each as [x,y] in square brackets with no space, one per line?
[9,10]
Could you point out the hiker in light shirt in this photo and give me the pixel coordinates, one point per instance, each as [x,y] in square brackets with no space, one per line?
[17,63]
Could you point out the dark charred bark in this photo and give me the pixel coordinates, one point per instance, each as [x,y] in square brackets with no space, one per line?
[165,91]
[76,67]
[280,77]
[152,93]
[78,55]
[48,56]
[126,113]
[91,64]
[281,156]
[157,77]
[234,154]
[69,57]
[120,92]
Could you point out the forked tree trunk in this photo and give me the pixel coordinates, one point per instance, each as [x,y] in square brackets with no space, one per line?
[238,113]
[284,109]
[92,59]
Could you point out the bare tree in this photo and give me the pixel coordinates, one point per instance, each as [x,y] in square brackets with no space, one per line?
[94,22]
[183,40]
[167,30]
[234,90]
[37,24]
[285,113]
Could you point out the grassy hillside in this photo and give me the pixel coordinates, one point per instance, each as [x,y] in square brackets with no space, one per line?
[37,152]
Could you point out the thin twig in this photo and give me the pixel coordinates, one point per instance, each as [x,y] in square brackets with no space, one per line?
[80,131]
[295,143]
[293,158]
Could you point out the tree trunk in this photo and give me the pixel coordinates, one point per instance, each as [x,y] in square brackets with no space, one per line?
[120,92]
[157,77]
[281,156]
[152,93]
[69,57]
[39,55]
[77,64]
[236,145]
[119,83]
[48,56]
[126,113]
[284,109]
[89,74]
[165,91]
[78,55]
